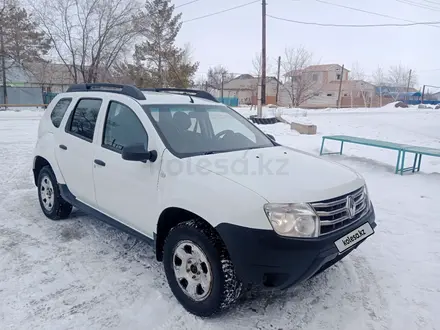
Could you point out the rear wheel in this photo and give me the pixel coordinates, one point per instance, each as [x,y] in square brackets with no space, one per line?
[199,270]
[51,202]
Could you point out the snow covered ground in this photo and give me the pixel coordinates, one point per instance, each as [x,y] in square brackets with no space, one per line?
[82,274]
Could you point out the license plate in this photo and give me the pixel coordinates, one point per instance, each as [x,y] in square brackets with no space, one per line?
[354,237]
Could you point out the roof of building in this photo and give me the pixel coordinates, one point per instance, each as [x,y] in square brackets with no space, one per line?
[244,83]
[347,85]
[315,68]
[323,67]
[45,73]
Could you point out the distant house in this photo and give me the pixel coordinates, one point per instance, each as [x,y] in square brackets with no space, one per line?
[312,82]
[321,74]
[50,77]
[245,88]
[436,96]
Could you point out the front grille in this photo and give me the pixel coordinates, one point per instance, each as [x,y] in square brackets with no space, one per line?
[333,213]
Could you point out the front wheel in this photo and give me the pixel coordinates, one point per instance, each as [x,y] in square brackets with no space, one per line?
[199,270]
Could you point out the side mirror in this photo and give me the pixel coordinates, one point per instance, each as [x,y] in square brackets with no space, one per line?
[138,153]
[270,136]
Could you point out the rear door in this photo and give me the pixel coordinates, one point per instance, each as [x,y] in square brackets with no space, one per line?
[75,149]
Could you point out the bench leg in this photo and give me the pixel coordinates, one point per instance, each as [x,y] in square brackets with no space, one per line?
[398,162]
[415,162]
[420,162]
[322,146]
[342,147]
[403,163]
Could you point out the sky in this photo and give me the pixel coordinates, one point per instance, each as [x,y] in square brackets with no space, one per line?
[233,38]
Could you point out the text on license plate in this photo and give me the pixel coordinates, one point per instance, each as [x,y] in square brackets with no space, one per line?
[354,237]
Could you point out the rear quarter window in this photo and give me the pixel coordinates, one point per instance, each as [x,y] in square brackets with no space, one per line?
[59,111]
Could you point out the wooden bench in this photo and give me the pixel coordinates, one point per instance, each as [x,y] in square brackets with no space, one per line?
[402,150]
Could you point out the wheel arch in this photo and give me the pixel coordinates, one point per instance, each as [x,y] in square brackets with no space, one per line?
[168,219]
[39,163]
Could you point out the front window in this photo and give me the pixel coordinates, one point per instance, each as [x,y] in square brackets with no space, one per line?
[203,129]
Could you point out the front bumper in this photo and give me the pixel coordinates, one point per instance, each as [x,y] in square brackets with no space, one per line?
[263,258]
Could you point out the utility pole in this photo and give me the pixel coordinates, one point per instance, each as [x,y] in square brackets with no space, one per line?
[3,66]
[423,93]
[278,79]
[223,80]
[340,88]
[409,81]
[263,59]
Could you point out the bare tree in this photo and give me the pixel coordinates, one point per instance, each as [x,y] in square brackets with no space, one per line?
[380,80]
[378,77]
[398,76]
[357,72]
[218,74]
[357,77]
[302,83]
[88,35]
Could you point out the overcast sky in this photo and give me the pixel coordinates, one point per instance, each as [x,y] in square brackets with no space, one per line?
[233,38]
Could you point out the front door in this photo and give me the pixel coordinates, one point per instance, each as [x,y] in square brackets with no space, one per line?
[125,190]
[74,149]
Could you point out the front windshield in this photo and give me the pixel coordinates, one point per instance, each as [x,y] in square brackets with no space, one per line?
[202,129]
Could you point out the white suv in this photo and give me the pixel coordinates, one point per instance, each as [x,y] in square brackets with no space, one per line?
[224,206]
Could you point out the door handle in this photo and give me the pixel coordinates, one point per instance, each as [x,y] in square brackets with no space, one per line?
[62,146]
[99,162]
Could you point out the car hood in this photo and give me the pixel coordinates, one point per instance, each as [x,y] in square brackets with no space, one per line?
[282,174]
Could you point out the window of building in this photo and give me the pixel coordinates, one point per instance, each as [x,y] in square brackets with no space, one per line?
[338,76]
[315,77]
[59,111]
[83,119]
[329,94]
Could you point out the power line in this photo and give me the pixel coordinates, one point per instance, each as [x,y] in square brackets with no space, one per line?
[221,11]
[415,4]
[186,3]
[353,25]
[369,12]
[434,2]
[429,70]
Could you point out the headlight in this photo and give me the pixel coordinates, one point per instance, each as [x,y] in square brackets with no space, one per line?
[294,220]
[366,197]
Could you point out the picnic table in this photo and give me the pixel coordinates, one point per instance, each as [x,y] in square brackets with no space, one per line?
[402,150]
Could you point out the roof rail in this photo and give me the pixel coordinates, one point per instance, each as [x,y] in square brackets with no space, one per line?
[184,91]
[128,90]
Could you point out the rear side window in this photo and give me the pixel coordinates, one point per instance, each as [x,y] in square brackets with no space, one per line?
[58,111]
[83,119]
[122,128]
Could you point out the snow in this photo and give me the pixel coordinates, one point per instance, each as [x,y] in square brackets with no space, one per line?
[82,274]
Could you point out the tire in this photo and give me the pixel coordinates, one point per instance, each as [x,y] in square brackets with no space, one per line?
[223,288]
[51,202]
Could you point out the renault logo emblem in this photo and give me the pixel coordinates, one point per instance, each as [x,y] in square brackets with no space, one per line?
[351,207]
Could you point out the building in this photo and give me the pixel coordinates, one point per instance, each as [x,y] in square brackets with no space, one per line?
[308,86]
[50,77]
[436,96]
[319,74]
[245,88]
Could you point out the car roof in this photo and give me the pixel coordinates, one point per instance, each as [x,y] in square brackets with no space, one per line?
[152,97]
[172,98]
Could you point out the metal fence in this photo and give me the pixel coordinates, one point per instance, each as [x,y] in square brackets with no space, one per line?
[23,95]
[415,102]
[230,101]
